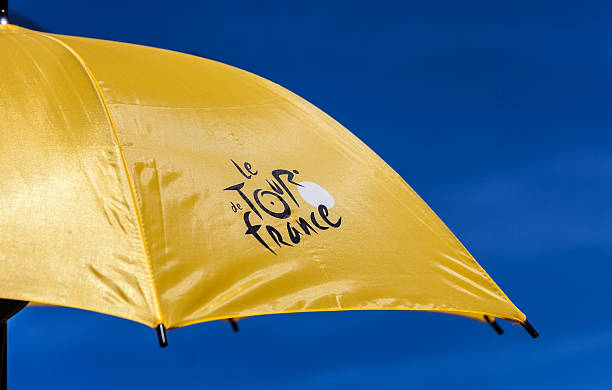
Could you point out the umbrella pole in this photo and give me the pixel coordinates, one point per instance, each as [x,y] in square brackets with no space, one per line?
[8,308]
[3,365]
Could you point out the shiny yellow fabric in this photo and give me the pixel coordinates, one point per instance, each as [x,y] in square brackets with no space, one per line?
[166,188]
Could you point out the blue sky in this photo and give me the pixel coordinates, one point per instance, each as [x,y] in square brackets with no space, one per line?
[498,115]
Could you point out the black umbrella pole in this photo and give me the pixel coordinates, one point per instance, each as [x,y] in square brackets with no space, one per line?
[3,365]
[8,308]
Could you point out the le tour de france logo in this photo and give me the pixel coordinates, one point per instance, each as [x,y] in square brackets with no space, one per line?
[266,206]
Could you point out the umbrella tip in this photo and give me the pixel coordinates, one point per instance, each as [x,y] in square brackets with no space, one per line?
[494,324]
[4,12]
[530,329]
[234,325]
[161,335]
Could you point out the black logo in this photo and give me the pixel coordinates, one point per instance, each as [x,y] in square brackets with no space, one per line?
[274,203]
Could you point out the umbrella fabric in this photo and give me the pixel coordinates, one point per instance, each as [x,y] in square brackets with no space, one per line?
[166,188]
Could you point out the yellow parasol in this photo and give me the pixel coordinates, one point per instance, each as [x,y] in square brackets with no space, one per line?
[171,190]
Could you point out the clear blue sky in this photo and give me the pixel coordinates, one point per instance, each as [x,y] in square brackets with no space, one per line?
[498,115]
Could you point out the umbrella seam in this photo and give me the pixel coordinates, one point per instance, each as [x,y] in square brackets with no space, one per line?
[134,195]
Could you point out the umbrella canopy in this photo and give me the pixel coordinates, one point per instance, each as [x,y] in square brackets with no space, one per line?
[170,190]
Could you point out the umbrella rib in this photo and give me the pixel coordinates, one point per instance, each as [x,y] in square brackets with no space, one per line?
[159,315]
